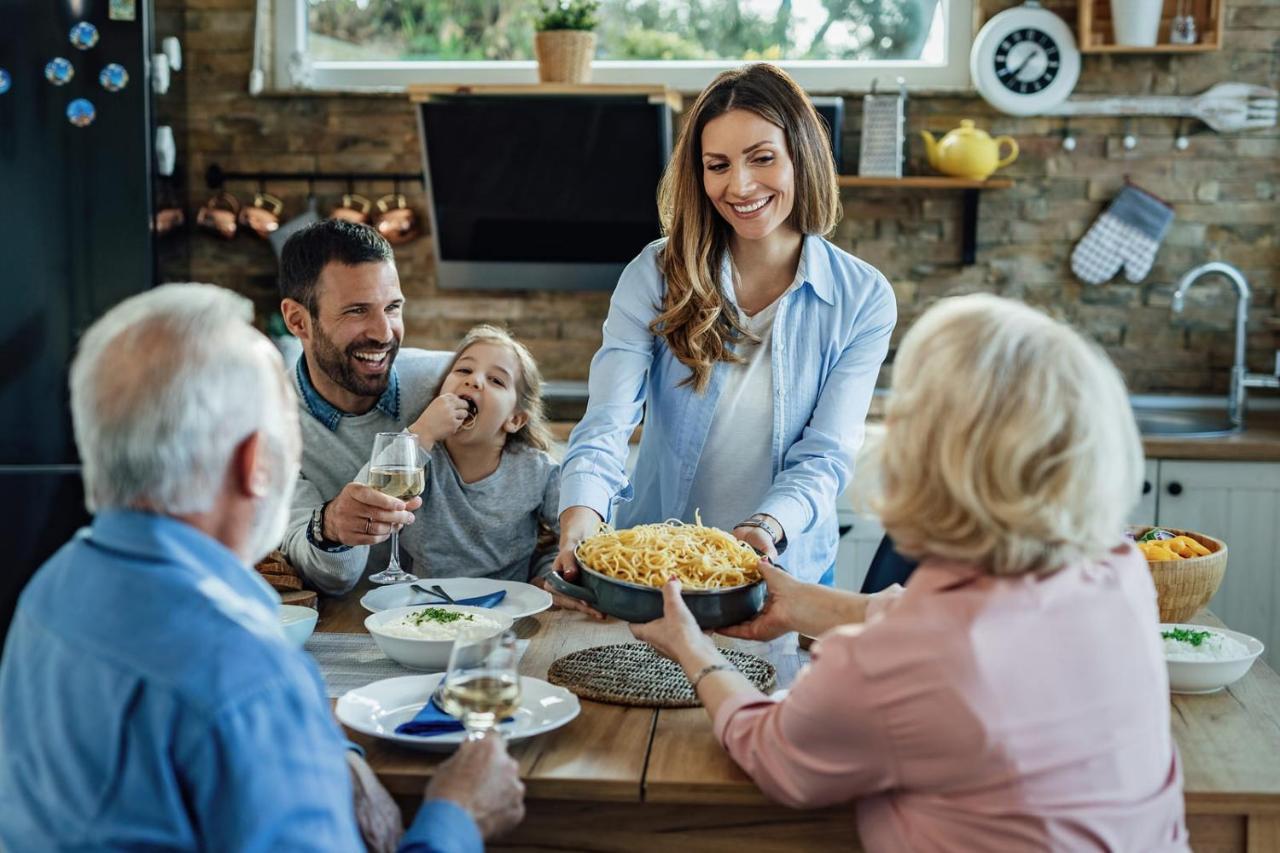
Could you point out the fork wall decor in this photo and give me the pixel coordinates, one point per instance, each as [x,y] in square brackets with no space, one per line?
[1225,108]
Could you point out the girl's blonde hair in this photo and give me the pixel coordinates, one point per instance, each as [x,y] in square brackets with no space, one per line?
[1010,442]
[694,320]
[535,433]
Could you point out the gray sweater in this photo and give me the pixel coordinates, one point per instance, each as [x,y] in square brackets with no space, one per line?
[331,458]
[489,528]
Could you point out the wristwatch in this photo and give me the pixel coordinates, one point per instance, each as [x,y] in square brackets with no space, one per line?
[315,532]
[769,525]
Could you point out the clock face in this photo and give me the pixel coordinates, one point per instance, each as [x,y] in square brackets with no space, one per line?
[1027,60]
[1024,60]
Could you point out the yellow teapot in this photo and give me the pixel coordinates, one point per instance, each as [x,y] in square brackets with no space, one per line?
[968,152]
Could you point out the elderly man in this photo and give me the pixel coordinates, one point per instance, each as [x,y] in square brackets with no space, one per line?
[342,299]
[150,699]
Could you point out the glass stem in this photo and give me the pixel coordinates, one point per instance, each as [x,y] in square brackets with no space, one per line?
[393,565]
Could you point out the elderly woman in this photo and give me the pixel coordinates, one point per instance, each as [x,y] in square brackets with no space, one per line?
[1013,696]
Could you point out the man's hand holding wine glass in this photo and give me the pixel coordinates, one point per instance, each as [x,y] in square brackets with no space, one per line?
[361,515]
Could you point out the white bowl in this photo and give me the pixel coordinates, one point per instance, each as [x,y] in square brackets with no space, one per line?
[1210,676]
[426,655]
[298,623]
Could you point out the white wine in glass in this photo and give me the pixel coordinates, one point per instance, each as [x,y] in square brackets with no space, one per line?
[482,686]
[395,469]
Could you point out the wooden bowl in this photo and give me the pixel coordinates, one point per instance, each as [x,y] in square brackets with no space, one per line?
[1184,587]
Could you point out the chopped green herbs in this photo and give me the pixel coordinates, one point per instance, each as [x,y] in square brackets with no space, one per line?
[443,617]
[1186,635]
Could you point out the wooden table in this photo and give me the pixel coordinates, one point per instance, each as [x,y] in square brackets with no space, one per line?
[618,779]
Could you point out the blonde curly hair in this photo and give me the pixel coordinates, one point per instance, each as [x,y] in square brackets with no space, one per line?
[1010,442]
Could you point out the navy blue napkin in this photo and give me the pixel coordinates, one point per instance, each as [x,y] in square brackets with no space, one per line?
[493,599]
[431,720]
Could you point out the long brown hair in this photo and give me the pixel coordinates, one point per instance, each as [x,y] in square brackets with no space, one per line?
[536,432]
[694,320]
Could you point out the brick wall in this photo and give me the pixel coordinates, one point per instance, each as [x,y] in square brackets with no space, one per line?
[1223,188]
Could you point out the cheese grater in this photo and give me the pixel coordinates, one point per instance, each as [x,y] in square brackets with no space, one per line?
[880,154]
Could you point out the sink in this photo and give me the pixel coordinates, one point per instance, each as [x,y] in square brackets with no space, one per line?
[1182,422]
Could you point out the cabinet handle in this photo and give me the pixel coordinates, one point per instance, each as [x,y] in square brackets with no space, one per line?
[1146,487]
[1175,488]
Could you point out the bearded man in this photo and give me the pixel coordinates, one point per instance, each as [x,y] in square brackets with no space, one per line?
[341,297]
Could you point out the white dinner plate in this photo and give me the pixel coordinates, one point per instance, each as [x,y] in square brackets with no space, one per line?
[376,709]
[522,599]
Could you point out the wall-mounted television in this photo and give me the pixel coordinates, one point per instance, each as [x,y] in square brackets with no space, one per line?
[541,192]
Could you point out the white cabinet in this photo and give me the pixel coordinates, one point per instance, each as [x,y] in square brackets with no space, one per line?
[1145,511]
[1239,503]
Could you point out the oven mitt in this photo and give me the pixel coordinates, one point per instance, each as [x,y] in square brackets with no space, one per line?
[1127,234]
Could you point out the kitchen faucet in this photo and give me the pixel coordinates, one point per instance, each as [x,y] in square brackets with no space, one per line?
[1241,379]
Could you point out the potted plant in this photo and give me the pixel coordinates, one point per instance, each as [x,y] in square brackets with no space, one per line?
[565,41]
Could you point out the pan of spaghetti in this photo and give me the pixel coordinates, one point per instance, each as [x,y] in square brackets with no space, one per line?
[622,573]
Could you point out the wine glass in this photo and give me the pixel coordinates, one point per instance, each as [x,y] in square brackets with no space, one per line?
[482,686]
[395,469]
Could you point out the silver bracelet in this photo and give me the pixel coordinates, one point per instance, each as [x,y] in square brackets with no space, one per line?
[707,670]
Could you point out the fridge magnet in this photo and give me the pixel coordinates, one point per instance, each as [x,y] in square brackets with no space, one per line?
[113,77]
[122,10]
[84,35]
[81,113]
[59,71]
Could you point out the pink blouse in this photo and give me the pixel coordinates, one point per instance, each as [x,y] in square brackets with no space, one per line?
[981,713]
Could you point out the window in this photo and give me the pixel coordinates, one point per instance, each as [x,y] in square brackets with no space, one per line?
[827,45]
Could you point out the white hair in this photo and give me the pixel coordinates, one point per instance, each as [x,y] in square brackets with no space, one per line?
[1009,441]
[163,388]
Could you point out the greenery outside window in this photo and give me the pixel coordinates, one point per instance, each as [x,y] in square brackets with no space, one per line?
[828,45]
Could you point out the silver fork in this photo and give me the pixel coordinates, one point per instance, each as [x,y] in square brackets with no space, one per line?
[436,590]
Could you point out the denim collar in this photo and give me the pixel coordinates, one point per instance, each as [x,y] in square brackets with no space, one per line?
[813,271]
[329,415]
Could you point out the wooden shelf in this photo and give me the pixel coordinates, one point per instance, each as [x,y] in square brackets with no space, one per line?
[926,182]
[1096,35]
[971,190]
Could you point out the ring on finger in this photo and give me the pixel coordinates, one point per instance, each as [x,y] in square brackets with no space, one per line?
[368,524]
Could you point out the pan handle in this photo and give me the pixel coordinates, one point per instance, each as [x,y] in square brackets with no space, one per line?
[573,590]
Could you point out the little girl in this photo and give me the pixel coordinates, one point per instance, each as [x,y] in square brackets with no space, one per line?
[490,502]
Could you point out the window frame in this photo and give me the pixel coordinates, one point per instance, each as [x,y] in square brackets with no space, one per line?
[293,71]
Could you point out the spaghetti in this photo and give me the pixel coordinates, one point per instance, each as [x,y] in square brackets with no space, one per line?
[649,554]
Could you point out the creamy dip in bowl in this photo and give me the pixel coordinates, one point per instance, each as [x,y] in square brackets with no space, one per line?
[1202,659]
[421,637]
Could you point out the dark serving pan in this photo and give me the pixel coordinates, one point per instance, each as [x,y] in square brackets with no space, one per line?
[632,602]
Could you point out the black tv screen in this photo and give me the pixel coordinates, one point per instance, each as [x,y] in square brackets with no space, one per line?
[542,192]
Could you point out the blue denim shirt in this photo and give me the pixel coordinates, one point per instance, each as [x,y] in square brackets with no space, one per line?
[830,336]
[325,412]
[151,701]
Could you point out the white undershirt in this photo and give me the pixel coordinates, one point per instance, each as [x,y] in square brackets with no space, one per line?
[736,467]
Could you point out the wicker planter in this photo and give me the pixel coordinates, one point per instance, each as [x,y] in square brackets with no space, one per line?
[1184,587]
[564,56]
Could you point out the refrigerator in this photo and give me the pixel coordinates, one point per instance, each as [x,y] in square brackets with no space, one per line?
[75,238]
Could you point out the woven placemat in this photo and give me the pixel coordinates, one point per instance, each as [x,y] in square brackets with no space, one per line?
[634,674]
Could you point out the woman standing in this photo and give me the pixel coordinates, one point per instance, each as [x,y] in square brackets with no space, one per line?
[749,343]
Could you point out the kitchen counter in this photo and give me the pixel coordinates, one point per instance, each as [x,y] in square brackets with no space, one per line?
[1260,441]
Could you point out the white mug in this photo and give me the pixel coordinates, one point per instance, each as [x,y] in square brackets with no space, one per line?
[173,49]
[166,150]
[159,73]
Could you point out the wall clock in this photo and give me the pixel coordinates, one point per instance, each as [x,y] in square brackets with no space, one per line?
[1025,60]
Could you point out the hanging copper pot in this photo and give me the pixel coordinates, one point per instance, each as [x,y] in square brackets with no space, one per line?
[396,220]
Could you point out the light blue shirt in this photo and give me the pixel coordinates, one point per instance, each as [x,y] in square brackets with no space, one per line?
[150,701]
[831,335]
